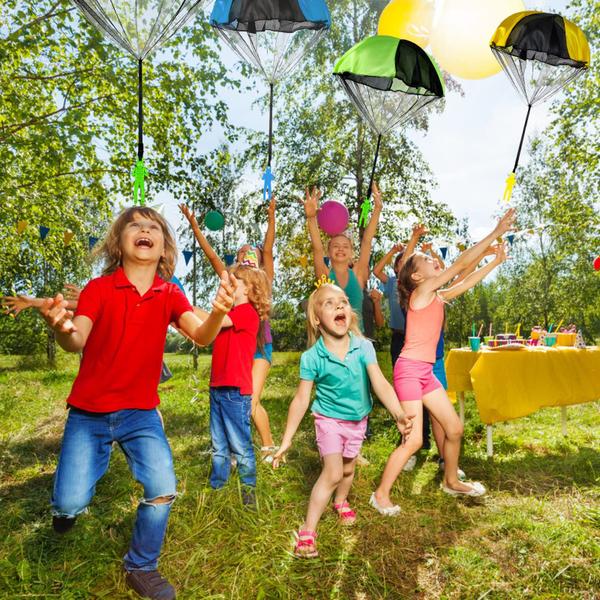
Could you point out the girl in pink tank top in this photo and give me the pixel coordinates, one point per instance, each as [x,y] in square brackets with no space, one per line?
[420,283]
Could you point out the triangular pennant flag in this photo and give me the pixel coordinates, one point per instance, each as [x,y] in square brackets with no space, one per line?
[68,236]
[187,254]
[44,231]
[511,238]
[461,246]
[159,208]
[444,252]
[326,259]
[229,259]
[21,226]
[92,241]
[303,262]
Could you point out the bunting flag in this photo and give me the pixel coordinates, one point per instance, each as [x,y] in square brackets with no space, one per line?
[67,236]
[229,259]
[21,226]
[303,262]
[511,238]
[444,252]
[187,255]
[44,231]
[326,259]
[92,241]
[159,208]
[461,246]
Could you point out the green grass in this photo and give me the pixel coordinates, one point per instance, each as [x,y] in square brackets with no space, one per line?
[536,535]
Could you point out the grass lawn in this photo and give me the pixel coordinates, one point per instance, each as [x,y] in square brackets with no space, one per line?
[536,535]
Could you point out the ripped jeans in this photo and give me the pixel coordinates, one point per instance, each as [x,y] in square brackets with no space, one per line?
[84,458]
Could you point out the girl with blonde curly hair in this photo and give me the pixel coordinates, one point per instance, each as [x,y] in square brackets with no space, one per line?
[231,379]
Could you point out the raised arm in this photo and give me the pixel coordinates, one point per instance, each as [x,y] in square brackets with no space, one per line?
[489,251]
[475,277]
[361,268]
[385,392]
[267,252]
[216,263]
[310,209]
[296,412]
[376,296]
[504,225]
[378,269]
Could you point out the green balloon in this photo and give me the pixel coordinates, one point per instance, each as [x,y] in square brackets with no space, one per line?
[214,220]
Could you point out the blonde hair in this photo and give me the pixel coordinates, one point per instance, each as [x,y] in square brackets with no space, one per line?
[259,294]
[315,301]
[110,248]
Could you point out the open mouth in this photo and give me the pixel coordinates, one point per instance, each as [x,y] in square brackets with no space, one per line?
[340,319]
[144,243]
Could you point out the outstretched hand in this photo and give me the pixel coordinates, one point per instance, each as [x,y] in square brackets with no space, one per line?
[223,301]
[13,305]
[55,313]
[188,214]
[506,222]
[311,202]
[71,292]
[501,253]
[376,195]
[419,230]
[271,209]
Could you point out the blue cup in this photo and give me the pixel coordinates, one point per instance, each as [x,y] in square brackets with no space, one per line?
[475,343]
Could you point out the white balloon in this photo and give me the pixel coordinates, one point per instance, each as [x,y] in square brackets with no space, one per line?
[460,41]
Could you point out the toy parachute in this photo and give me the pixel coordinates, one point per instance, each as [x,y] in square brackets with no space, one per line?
[540,53]
[272,36]
[139,28]
[389,80]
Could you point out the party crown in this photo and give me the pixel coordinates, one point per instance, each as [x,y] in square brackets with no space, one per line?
[323,280]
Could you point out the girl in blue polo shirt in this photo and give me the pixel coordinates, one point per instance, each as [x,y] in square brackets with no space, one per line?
[342,363]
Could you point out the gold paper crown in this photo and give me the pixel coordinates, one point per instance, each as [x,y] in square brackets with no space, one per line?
[323,280]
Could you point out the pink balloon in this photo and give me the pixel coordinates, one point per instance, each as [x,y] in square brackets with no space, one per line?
[333,217]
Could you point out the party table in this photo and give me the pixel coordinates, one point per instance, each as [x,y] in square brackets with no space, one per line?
[509,384]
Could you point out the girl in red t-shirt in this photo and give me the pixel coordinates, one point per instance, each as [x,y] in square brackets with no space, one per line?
[231,380]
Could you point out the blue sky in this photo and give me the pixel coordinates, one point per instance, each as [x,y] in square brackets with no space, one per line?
[470,147]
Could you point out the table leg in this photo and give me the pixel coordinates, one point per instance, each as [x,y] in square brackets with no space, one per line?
[461,406]
[490,443]
[563,419]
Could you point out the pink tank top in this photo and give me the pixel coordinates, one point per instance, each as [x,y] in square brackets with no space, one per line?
[423,328]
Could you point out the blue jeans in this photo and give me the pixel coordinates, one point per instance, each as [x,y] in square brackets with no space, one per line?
[84,458]
[230,432]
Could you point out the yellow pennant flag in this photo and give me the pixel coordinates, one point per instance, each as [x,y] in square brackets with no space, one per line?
[21,226]
[303,261]
[68,236]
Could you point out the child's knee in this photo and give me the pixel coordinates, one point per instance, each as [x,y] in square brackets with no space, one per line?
[414,442]
[167,499]
[454,432]
[70,507]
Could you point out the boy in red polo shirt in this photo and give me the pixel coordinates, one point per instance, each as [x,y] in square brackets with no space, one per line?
[231,380]
[121,324]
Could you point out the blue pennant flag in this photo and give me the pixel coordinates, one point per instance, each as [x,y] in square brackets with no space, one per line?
[44,231]
[92,241]
[178,283]
[444,252]
[326,259]
[187,254]
[511,238]
[229,259]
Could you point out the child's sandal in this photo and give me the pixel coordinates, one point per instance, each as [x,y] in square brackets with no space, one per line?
[346,514]
[306,546]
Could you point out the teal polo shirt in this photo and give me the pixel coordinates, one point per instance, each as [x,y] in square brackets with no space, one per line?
[342,386]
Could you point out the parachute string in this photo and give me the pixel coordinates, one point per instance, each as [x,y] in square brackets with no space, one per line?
[270,124]
[370,190]
[522,138]
[140,151]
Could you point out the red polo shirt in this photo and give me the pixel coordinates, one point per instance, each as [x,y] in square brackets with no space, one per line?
[234,348]
[123,354]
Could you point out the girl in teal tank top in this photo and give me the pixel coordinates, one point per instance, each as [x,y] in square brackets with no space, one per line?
[341,253]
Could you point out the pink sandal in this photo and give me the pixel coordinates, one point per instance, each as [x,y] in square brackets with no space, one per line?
[346,514]
[306,546]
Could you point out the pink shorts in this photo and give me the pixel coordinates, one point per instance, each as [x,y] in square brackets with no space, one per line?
[413,379]
[338,436]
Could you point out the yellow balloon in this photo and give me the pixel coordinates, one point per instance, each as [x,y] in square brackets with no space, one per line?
[408,19]
[460,41]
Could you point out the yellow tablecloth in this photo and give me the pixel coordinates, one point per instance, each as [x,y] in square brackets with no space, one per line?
[509,385]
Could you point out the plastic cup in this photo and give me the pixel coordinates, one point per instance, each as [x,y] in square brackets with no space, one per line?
[565,339]
[475,343]
[535,334]
[488,338]
[550,339]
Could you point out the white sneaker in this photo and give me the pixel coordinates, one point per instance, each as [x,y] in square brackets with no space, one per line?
[477,490]
[390,511]
[411,463]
